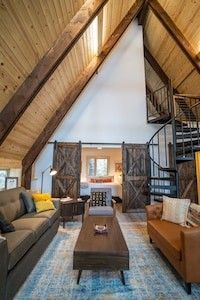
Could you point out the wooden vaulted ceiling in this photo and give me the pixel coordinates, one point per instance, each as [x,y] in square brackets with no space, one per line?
[186,15]
[28,30]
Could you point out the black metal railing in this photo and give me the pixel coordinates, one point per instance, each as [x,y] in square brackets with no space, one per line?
[173,142]
[158,103]
[187,125]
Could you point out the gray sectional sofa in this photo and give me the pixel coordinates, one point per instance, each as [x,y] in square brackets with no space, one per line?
[21,249]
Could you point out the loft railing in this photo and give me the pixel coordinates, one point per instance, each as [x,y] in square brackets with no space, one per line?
[158,103]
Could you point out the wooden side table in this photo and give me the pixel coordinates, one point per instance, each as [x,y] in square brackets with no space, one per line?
[71,208]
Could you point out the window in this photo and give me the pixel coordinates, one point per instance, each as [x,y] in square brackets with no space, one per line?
[98,166]
[3,175]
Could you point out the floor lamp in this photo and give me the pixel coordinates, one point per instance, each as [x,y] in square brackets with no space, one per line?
[52,173]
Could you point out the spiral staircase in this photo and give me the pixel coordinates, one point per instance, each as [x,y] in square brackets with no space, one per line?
[174,142]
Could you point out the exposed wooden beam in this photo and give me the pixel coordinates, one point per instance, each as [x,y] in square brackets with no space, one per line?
[155,65]
[175,33]
[142,17]
[47,65]
[78,87]
[100,31]
[26,178]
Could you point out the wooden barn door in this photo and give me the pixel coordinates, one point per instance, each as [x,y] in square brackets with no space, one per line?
[135,175]
[67,162]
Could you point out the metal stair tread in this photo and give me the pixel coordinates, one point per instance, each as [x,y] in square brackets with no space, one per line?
[163,178]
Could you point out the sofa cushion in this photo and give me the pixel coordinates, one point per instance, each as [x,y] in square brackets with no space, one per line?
[37,225]
[167,234]
[11,205]
[100,211]
[5,225]
[41,196]
[44,206]
[18,243]
[28,201]
[51,215]
[175,210]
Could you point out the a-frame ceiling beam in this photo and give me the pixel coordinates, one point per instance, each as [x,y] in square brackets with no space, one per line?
[47,65]
[175,33]
[142,17]
[155,65]
[78,87]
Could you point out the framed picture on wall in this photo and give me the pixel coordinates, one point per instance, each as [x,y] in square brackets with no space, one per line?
[11,182]
[118,167]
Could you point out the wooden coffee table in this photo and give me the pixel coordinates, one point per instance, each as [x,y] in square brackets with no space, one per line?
[101,251]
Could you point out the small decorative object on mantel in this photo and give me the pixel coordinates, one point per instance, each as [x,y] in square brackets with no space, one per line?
[118,167]
[100,229]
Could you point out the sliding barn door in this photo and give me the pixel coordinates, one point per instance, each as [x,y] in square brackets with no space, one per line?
[67,162]
[135,175]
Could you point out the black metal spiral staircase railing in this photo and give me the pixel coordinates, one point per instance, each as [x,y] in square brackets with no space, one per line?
[158,104]
[174,142]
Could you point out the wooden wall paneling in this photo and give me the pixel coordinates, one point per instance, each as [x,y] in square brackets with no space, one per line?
[10,163]
[183,13]
[100,31]
[191,85]
[43,106]
[47,65]
[188,181]
[77,88]
[163,47]
[175,33]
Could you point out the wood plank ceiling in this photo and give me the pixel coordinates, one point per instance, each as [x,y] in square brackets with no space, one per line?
[29,28]
[186,15]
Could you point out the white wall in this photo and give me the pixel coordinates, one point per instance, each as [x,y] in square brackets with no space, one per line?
[112,108]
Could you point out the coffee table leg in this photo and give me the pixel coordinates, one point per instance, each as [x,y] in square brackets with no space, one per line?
[79,276]
[122,277]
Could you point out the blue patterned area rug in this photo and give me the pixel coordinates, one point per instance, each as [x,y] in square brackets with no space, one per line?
[150,275]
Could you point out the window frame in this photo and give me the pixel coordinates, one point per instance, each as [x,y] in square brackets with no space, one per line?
[95,157]
[7,175]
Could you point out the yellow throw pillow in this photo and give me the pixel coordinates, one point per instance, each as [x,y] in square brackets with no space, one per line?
[44,205]
[41,197]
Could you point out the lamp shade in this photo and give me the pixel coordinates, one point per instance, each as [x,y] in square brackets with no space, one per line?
[52,172]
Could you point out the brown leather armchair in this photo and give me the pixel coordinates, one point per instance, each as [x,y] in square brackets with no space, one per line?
[179,244]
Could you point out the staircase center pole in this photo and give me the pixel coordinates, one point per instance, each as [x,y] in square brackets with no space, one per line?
[174,136]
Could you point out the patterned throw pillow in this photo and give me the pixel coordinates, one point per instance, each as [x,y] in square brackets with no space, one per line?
[193,217]
[175,210]
[98,199]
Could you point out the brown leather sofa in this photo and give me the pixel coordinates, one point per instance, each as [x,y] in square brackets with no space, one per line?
[21,249]
[180,245]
